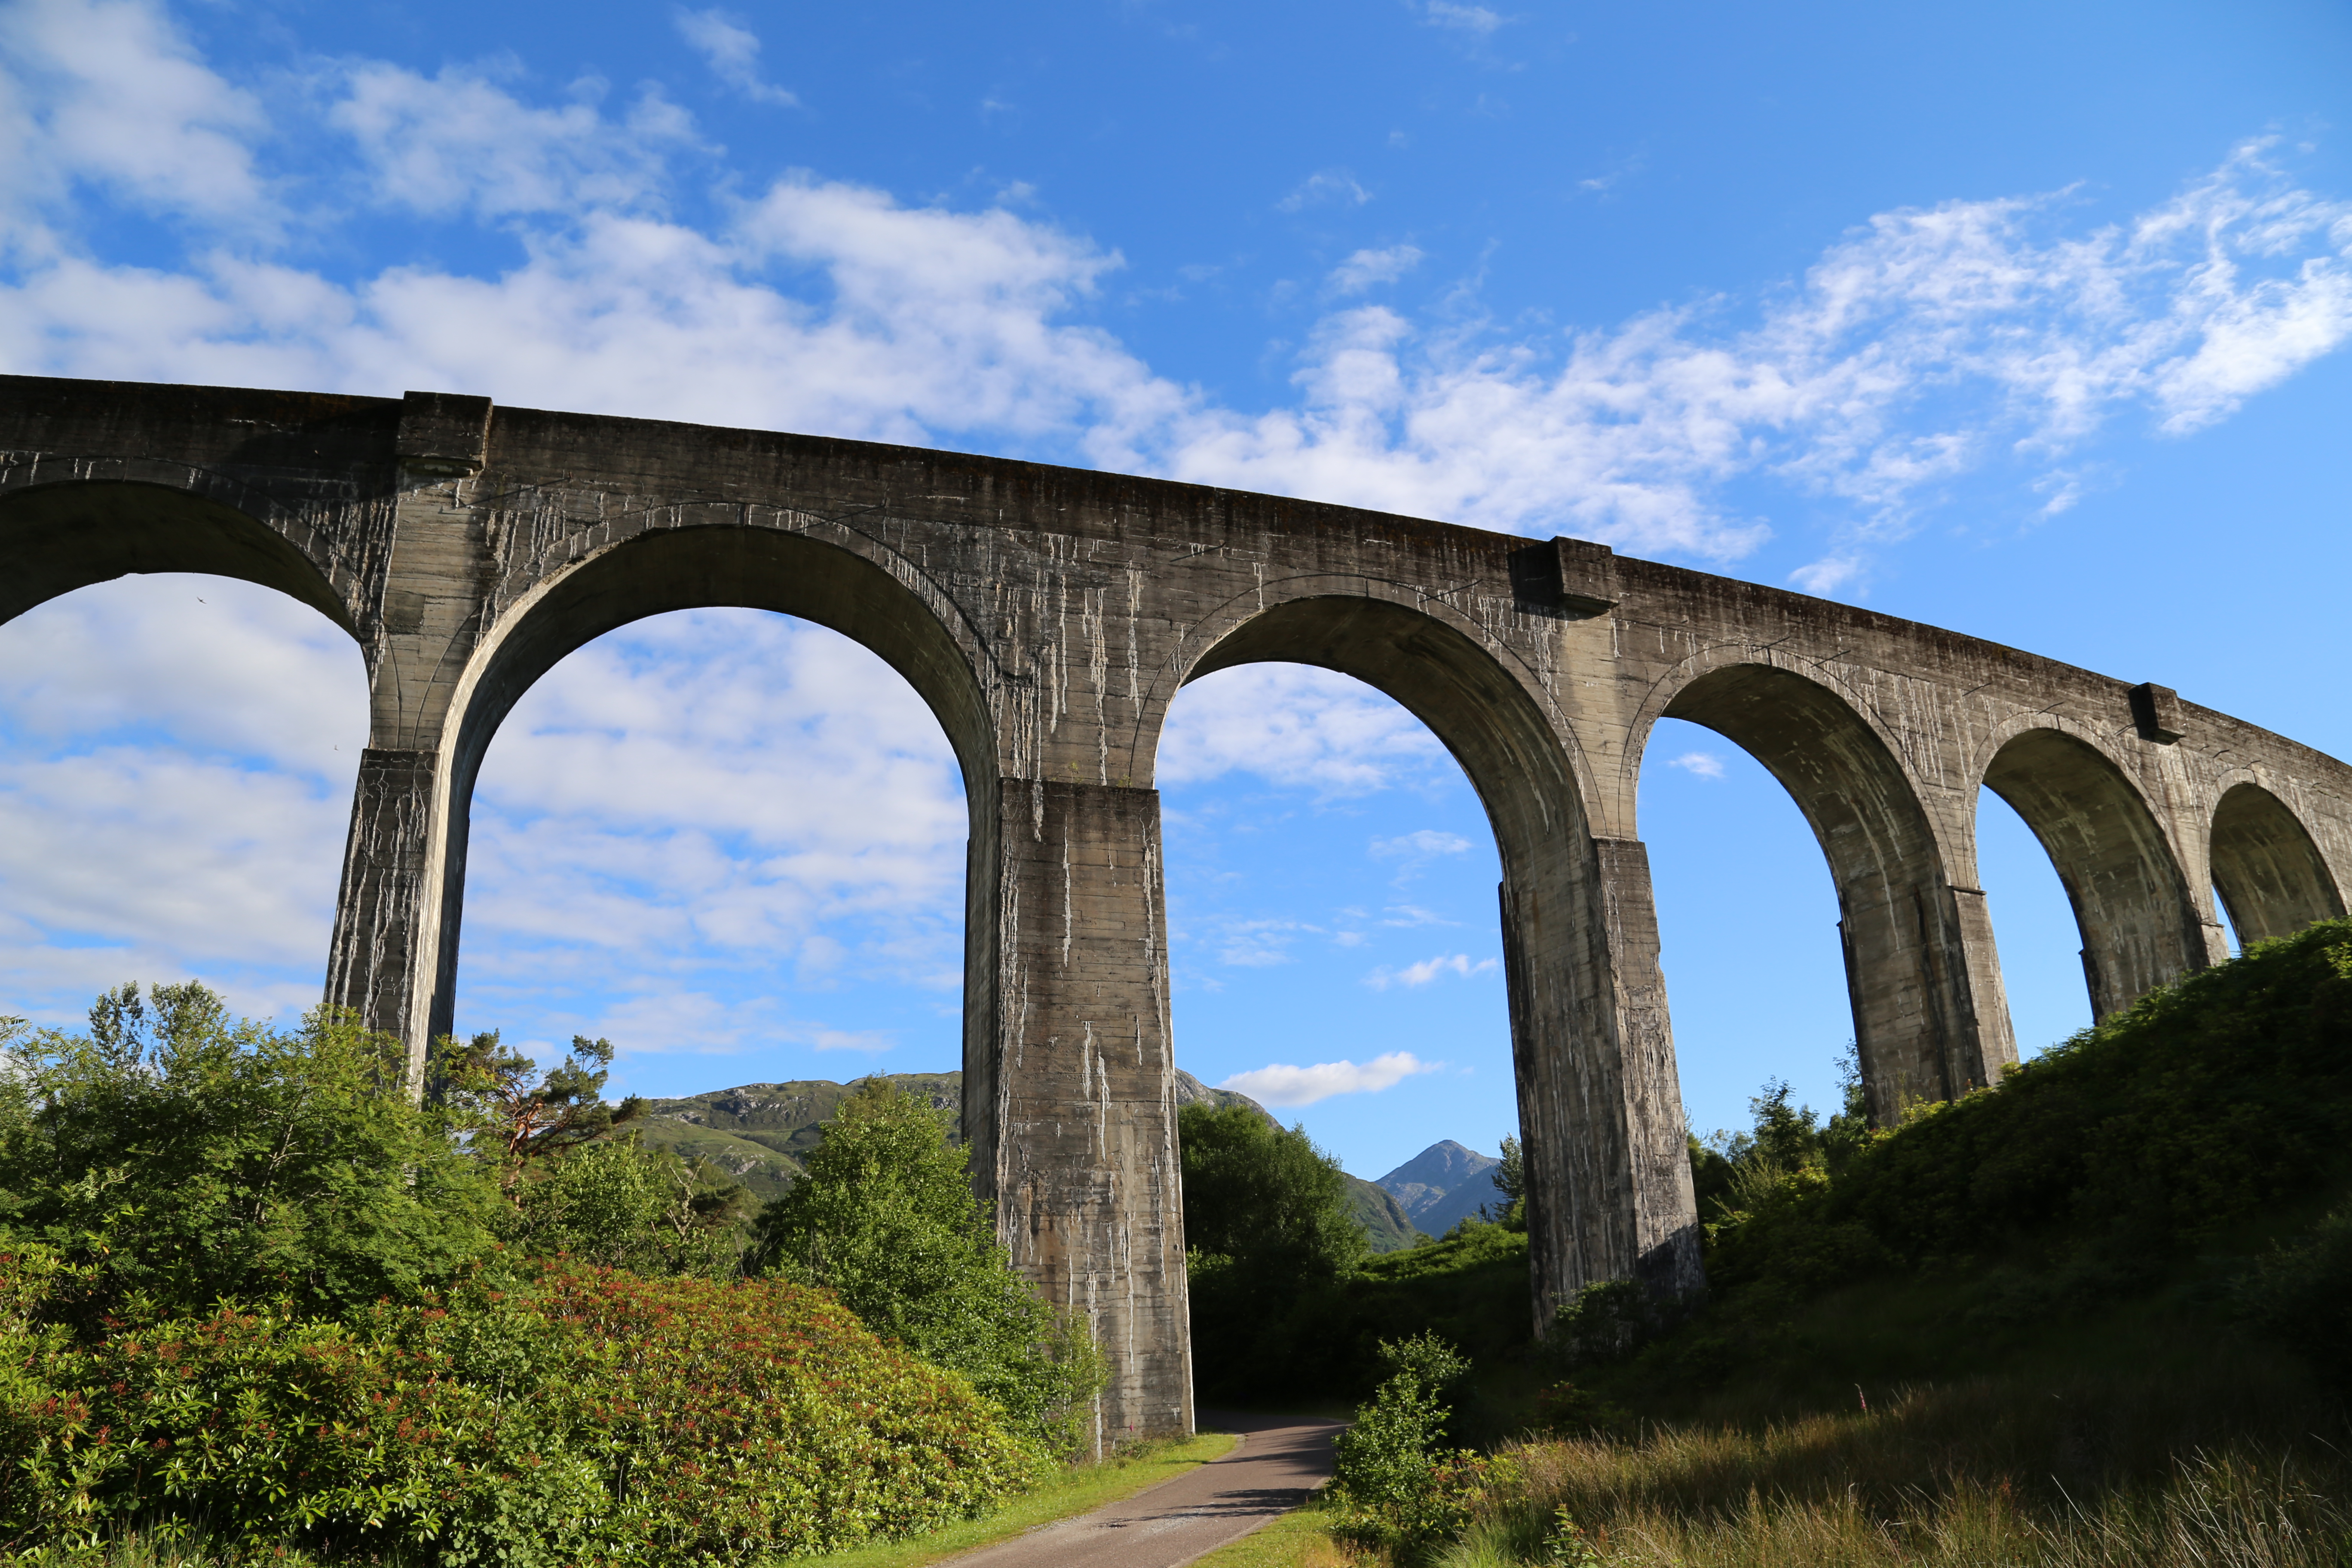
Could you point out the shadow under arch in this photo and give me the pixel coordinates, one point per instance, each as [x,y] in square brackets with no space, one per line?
[2268,871]
[724,566]
[1608,1185]
[1921,1027]
[2140,926]
[59,537]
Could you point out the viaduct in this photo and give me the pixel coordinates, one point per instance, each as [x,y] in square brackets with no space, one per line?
[1049,615]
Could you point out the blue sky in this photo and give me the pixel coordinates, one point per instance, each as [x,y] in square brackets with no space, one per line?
[2021,319]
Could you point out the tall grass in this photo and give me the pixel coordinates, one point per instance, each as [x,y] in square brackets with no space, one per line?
[1978,1473]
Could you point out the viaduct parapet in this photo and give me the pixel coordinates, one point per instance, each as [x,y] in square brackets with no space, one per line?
[1049,615]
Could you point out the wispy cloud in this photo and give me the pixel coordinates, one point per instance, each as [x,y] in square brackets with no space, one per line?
[1459,965]
[1419,844]
[1258,943]
[1294,725]
[1703,765]
[1292,1085]
[1476,20]
[732,52]
[1369,268]
[1323,188]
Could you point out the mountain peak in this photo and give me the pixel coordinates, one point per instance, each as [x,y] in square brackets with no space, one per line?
[1444,1164]
[1442,1183]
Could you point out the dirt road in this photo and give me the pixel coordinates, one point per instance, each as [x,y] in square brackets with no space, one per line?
[1278,1462]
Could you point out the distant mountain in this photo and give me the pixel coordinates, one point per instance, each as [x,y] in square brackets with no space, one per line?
[757,1132]
[1442,1185]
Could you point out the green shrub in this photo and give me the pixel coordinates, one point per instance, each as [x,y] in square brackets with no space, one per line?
[1394,1485]
[621,1205]
[172,1157]
[588,1416]
[884,1215]
[2303,1296]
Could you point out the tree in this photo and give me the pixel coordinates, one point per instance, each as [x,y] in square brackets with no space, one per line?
[1266,1198]
[175,1156]
[514,1120]
[1729,1168]
[1511,1180]
[1268,1236]
[618,1203]
[884,1217]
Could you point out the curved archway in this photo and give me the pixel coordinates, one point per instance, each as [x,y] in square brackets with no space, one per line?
[59,537]
[2140,927]
[1923,1027]
[1463,693]
[2267,870]
[1599,1109]
[720,566]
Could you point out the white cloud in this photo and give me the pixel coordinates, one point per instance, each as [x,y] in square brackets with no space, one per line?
[1703,765]
[1828,574]
[1419,844]
[1369,268]
[1428,970]
[110,92]
[459,141]
[732,52]
[1294,725]
[1290,1086]
[1476,20]
[1325,187]
[1259,943]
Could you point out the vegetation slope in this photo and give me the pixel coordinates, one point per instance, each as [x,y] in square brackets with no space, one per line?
[2102,1312]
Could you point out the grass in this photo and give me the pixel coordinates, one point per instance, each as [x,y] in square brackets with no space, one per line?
[2241,1509]
[1296,1540]
[2175,1469]
[1081,1488]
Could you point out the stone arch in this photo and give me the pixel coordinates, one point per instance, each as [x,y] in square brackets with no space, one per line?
[1444,676]
[2268,871]
[2139,920]
[1925,1028]
[732,565]
[1207,645]
[70,535]
[1599,1109]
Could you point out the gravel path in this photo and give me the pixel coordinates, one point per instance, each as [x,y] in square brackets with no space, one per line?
[1278,1462]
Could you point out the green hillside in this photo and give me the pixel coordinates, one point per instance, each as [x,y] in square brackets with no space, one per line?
[1383,1218]
[756,1132]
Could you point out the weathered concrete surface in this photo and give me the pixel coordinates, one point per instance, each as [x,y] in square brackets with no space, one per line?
[1049,616]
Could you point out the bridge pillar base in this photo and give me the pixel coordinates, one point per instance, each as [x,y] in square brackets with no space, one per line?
[1609,1187]
[1077,1082]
